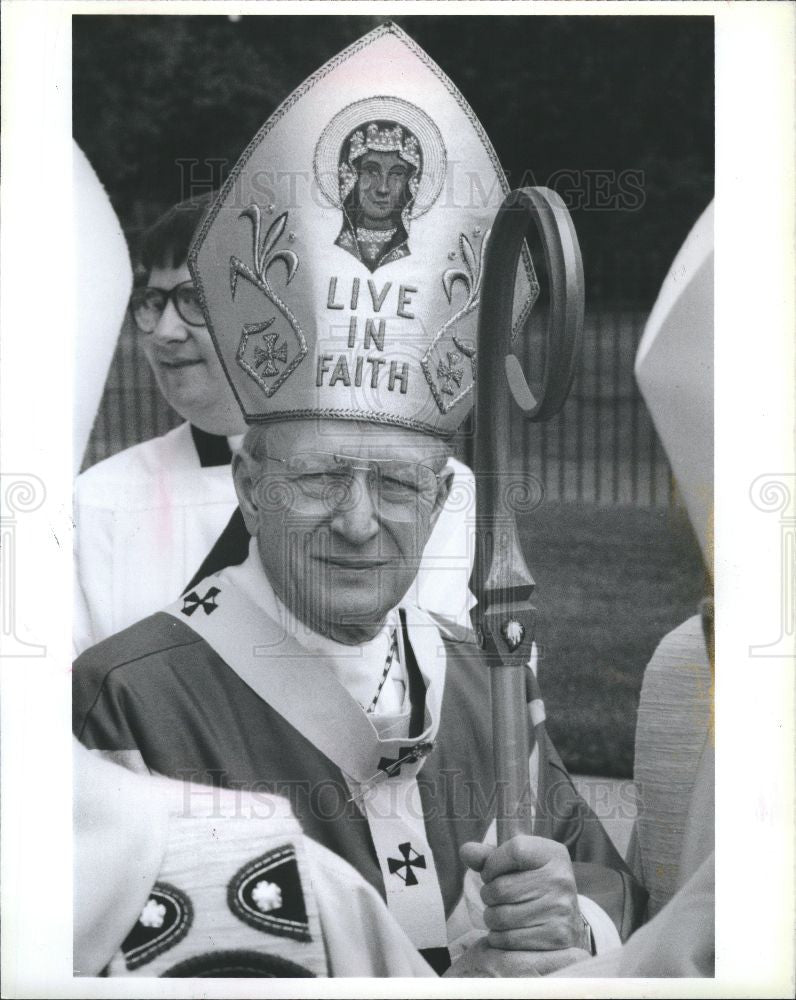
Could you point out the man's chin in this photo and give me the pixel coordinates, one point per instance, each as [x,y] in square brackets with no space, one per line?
[184,391]
[351,617]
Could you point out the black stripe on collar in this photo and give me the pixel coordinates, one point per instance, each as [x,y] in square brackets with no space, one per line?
[212,449]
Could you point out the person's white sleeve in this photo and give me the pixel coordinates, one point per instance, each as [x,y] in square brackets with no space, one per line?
[93,567]
[362,937]
[82,636]
[441,584]
[120,839]
[678,942]
[606,936]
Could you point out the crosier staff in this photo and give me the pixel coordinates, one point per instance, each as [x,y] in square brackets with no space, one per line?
[503,617]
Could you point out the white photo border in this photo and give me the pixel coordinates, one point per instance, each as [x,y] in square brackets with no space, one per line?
[754,437]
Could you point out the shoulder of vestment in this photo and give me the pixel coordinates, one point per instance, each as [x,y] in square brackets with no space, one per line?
[145,458]
[149,637]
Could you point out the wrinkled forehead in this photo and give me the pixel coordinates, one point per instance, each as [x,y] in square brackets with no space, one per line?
[281,438]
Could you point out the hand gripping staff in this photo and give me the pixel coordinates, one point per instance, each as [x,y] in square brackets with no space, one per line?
[503,617]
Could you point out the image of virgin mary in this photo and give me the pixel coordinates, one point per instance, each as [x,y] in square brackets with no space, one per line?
[379,171]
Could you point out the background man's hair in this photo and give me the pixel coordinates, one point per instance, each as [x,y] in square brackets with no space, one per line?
[167,241]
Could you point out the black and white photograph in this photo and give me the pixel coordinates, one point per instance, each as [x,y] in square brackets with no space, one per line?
[388,507]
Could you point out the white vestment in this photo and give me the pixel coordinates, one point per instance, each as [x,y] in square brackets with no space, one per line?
[145,518]
[135,836]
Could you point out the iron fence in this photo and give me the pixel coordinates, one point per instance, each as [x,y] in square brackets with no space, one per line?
[602,448]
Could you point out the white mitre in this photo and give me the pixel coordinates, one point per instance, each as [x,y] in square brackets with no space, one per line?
[103,279]
[674,369]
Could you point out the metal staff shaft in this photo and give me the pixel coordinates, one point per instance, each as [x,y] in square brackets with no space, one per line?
[504,618]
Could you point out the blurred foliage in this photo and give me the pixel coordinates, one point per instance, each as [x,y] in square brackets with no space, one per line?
[556,94]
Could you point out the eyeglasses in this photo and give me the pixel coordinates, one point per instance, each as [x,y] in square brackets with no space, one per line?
[320,481]
[148,304]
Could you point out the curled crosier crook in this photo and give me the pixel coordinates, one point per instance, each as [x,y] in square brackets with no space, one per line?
[543,209]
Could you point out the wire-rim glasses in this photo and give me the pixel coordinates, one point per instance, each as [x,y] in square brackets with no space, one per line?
[318,481]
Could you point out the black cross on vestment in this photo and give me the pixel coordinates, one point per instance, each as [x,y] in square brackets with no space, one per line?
[194,601]
[395,865]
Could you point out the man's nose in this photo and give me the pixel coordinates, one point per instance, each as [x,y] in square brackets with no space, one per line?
[356,519]
[170,326]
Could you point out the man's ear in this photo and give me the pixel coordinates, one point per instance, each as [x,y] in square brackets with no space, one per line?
[244,487]
[443,490]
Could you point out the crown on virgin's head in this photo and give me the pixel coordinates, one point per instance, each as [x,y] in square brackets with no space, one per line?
[385,140]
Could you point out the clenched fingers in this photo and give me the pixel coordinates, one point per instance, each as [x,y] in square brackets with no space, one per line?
[536,926]
[521,854]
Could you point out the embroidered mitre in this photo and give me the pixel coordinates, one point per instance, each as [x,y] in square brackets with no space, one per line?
[340,267]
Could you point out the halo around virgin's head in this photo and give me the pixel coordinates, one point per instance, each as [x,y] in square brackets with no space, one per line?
[327,151]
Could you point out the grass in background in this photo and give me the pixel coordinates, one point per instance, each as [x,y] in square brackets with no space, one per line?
[610,583]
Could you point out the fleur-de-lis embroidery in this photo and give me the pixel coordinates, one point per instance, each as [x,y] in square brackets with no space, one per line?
[444,376]
[268,356]
[261,360]
[450,373]
[264,252]
[470,276]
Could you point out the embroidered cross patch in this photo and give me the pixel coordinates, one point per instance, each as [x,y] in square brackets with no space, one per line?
[411,859]
[450,373]
[193,601]
[268,356]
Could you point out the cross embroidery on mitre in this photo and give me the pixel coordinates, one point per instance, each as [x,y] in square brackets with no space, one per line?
[270,353]
[450,373]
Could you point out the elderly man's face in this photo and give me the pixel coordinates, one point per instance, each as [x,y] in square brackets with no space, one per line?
[382,181]
[342,512]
